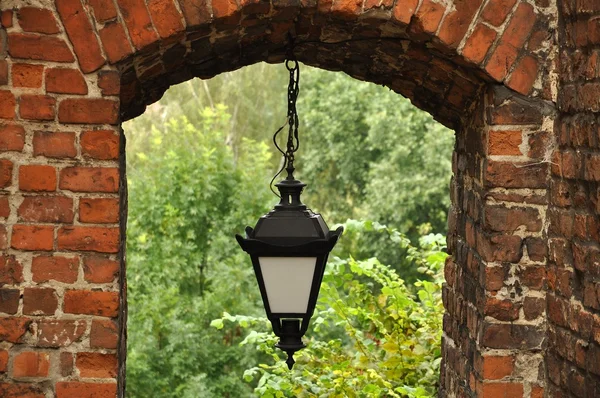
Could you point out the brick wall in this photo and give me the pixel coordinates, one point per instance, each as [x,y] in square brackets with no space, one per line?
[72,70]
[574,231]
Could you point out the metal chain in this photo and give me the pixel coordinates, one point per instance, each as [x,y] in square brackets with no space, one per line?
[293,142]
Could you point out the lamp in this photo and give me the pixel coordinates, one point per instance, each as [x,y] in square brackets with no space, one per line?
[289,246]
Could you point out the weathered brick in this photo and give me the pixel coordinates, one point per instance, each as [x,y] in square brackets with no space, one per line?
[39,301]
[65,81]
[27,75]
[3,361]
[6,170]
[4,207]
[195,13]
[497,367]
[102,240]
[512,336]
[8,104]
[114,41]
[57,268]
[13,329]
[104,10]
[37,178]
[81,34]
[478,44]
[32,237]
[9,301]
[59,144]
[109,82]
[37,107]
[510,175]
[505,142]
[166,17]
[89,179]
[88,111]
[100,144]
[67,364]
[456,23]
[73,389]
[138,22]
[31,364]
[428,17]
[11,270]
[46,209]
[12,138]
[100,211]
[98,269]
[91,303]
[496,11]
[54,333]
[104,334]
[6,18]
[45,48]
[40,20]
[524,75]
[97,365]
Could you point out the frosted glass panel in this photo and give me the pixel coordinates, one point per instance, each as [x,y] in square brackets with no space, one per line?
[288,281]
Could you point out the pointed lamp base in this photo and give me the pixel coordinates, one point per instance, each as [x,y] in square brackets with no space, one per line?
[290,340]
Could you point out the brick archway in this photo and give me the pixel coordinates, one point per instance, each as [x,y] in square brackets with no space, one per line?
[72,70]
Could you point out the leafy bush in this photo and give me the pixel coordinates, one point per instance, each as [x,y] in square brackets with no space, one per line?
[372,335]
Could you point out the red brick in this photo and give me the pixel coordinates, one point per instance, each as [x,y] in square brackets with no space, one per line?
[4,207]
[99,269]
[3,72]
[9,301]
[88,111]
[57,144]
[31,364]
[404,10]
[38,20]
[109,82]
[3,361]
[524,75]
[501,61]
[478,44]
[45,48]
[91,303]
[67,364]
[166,17]
[502,390]
[457,23]
[65,81]
[54,333]
[195,13]
[46,209]
[496,11]
[3,237]
[41,301]
[12,138]
[505,142]
[510,175]
[428,17]
[495,368]
[6,17]
[100,211]
[81,34]
[57,268]
[94,364]
[100,144]
[138,22]
[12,329]
[89,179]
[8,104]
[6,169]
[11,270]
[104,334]
[103,240]
[72,389]
[21,390]
[114,41]
[32,237]
[26,75]
[104,10]
[502,310]
[518,29]
[37,107]
[37,178]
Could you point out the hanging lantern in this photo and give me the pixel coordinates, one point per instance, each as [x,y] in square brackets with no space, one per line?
[289,246]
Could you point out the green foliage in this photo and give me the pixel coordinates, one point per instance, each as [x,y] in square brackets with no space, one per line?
[371,336]
[367,153]
[187,198]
